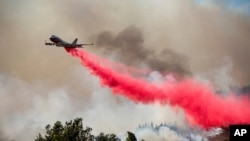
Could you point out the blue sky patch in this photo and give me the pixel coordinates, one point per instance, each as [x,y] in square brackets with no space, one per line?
[242,6]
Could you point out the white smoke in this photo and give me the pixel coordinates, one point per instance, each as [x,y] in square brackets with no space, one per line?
[28,108]
[40,85]
[220,76]
[166,133]
[172,132]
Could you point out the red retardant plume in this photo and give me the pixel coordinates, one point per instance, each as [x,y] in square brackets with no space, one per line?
[200,104]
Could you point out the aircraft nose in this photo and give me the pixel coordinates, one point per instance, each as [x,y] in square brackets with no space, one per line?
[53,39]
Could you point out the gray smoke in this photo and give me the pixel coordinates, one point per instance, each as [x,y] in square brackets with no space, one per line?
[169,132]
[179,27]
[128,46]
[41,84]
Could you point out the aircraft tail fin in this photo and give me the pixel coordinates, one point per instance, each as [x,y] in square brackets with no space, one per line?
[74,42]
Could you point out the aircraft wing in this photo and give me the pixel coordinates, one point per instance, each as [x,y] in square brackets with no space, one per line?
[84,44]
[73,46]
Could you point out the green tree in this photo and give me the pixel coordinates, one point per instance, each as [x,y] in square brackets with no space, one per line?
[71,131]
[131,137]
[40,138]
[106,137]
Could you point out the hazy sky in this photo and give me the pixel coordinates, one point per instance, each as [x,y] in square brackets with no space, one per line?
[205,35]
[199,38]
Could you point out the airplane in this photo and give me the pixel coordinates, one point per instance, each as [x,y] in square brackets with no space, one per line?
[61,43]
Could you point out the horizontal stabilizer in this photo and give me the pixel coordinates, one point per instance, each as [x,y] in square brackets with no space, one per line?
[49,44]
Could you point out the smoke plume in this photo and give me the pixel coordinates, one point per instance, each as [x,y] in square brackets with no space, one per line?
[129,48]
[173,133]
[40,84]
